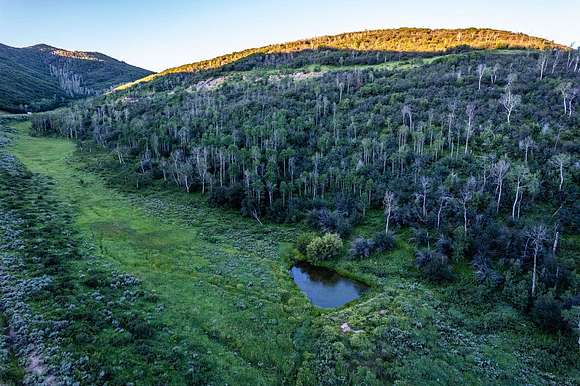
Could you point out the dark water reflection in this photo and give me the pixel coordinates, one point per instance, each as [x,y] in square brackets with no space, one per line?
[324,287]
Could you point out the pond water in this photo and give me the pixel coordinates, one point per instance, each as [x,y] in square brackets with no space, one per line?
[324,287]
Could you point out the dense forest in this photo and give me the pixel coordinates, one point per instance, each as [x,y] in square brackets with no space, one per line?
[42,77]
[468,145]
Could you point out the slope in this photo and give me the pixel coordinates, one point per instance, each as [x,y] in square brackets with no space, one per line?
[402,40]
[42,77]
[224,309]
[476,280]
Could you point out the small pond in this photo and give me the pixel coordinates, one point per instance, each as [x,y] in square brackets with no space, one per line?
[324,287]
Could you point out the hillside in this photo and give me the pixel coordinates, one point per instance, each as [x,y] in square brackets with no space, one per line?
[442,176]
[42,77]
[403,40]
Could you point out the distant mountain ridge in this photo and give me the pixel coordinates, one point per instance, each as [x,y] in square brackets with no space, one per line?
[42,77]
[407,40]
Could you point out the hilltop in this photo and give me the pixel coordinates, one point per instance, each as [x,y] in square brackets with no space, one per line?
[422,41]
[41,77]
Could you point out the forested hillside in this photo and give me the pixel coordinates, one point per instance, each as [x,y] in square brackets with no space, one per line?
[464,142]
[42,77]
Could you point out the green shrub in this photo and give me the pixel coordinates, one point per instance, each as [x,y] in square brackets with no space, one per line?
[502,318]
[95,279]
[547,313]
[516,291]
[383,242]
[361,248]
[324,248]
[433,265]
[138,327]
[459,245]
[303,240]
[572,318]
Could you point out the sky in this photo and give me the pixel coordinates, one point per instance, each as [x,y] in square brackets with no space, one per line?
[159,34]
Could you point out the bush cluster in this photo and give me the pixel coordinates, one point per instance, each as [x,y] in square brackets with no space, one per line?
[323,248]
[433,265]
[362,248]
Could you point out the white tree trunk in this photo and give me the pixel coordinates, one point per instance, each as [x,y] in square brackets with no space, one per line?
[464,217]
[516,200]
[499,197]
[534,271]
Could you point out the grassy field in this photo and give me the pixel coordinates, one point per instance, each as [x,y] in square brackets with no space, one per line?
[218,275]
[222,289]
